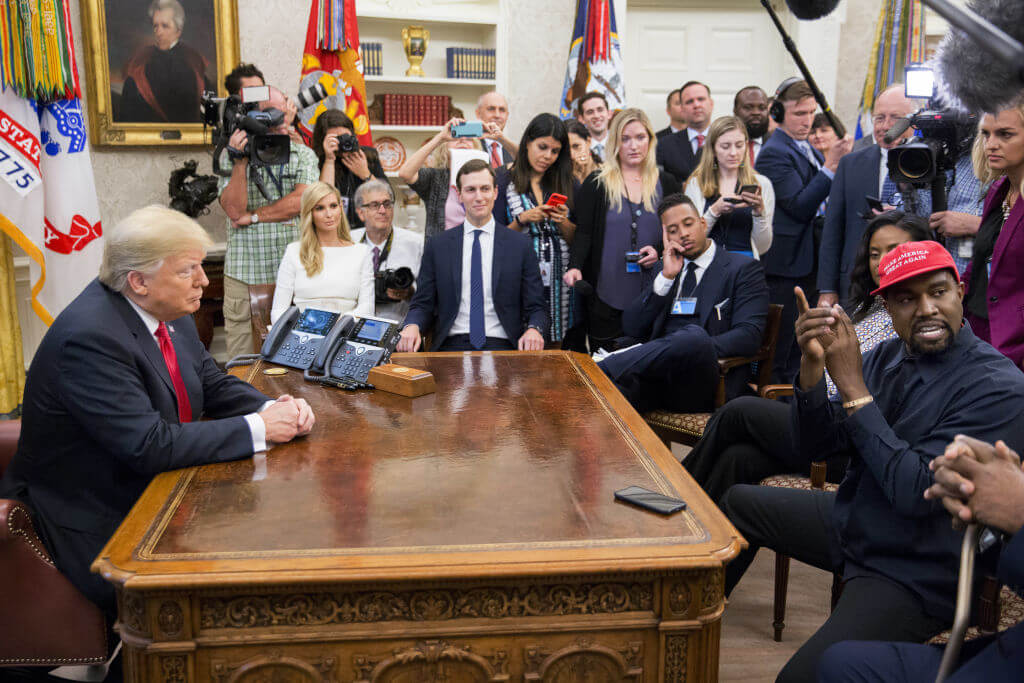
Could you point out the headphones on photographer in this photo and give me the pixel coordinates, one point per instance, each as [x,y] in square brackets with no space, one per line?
[778,110]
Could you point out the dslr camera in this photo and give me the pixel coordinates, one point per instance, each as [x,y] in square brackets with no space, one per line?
[397,278]
[347,143]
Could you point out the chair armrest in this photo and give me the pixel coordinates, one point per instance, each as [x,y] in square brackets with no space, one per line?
[776,391]
[16,527]
[727,364]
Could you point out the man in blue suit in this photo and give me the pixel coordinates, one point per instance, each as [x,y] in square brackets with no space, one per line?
[116,390]
[802,179]
[976,482]
[706,304]
[479,287]
[863,173]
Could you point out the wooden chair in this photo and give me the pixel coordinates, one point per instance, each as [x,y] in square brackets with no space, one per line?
[260,299]
[687,428]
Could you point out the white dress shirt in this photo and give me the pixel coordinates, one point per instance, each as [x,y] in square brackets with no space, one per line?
[761,231]
[662,285]
[693,137]
[257,427]
[492,326]
[406,251]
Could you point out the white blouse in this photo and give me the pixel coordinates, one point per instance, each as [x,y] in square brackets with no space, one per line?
[761,231]
[345,285]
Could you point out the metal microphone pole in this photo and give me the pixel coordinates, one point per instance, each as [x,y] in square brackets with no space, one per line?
[833,120]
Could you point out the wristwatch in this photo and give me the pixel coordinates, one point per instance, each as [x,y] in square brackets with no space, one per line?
[254,218]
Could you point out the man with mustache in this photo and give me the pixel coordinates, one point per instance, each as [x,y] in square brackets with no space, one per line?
[707,303]
[899,407]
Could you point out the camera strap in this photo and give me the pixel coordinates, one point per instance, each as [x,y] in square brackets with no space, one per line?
[384,252]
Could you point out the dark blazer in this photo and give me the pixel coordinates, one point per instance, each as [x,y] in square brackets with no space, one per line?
[732,278]
[101,420]
[592,215]
[1006,281]
[675,155]
[515,285]
[667,130]
[799,191]
[856,178]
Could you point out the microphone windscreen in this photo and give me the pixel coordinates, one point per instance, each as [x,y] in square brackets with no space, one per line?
[583,288]
[972,77]
[811,9]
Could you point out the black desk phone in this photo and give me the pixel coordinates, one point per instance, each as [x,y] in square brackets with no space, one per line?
[333,349]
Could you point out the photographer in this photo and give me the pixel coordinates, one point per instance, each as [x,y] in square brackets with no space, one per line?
[343,162]
[396,252]
[259,226]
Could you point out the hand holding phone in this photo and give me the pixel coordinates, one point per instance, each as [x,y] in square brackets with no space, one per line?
[468,129]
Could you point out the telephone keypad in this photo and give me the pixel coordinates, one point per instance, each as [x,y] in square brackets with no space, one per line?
[355,361]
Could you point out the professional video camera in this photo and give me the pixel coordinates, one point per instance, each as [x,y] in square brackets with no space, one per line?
[227,114]
[398,278]
[946,135]
[191,197]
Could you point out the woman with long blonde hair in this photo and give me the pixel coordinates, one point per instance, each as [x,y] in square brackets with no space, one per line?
[324,269]
[618,233]
[738,221]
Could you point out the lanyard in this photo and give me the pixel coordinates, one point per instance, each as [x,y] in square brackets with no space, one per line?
[634,215]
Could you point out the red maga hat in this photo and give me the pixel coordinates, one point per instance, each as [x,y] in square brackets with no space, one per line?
[911,259]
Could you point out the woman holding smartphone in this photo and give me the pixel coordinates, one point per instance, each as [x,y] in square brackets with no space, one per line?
[535,196]
[738,204]
[618,233]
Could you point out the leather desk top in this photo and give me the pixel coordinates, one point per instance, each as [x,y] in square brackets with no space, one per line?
[508,469]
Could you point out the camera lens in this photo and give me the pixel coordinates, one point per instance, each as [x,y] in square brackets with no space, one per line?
[915,163]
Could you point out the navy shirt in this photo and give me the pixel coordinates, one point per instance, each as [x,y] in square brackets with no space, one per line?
[615,286]
[884,526]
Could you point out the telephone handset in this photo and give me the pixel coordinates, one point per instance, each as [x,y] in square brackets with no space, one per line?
[297,336]
[351,350]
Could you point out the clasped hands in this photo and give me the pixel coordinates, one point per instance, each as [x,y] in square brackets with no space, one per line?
[287,418]
[827,339]
[979,483]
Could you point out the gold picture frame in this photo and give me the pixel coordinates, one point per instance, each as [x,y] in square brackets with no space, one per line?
[114,113]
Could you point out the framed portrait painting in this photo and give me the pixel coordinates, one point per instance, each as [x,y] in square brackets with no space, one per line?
[148,64]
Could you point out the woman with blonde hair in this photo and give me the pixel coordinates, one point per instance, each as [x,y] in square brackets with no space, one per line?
[738,221]
[325,269]
[618,233]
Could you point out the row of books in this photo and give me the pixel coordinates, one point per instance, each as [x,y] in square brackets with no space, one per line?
[416,110]
[470,62]
[373,59]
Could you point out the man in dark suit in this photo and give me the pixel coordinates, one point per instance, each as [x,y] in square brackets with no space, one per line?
[116,390]
[976,482]
[679,153]
[860,174]
[478,282]
[674,109]
[706,304]
[802,179]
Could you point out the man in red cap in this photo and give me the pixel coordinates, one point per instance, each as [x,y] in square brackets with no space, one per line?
[899,406]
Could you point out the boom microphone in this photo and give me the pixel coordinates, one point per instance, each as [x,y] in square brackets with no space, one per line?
[980,66]
[898,129]
[811,9]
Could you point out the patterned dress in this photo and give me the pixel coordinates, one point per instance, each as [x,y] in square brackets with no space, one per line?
[553,255]
[875,328]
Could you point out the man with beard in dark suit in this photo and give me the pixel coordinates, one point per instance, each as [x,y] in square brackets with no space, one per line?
[751,107]
[163,82]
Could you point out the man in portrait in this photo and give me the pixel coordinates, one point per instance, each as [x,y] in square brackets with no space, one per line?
[163,81]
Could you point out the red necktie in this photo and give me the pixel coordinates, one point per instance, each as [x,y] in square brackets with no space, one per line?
[171,360]
[700,140]
[495,155]
[750,147]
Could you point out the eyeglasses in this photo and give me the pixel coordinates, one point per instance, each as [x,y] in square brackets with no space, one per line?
[387,204]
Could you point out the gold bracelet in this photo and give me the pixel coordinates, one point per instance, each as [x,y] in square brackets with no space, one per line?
[864,400]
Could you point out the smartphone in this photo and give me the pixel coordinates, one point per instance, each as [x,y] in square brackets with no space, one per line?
[468,129]
[556,200]
[752,189]
[874,204]
[650,500]
[733,200]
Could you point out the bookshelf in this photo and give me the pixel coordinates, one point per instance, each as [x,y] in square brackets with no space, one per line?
[452,23]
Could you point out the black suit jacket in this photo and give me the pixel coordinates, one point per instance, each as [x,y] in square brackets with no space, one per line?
[516,286]
[675,155]
[800,189]
[667,130]
[101,419]
[856,178]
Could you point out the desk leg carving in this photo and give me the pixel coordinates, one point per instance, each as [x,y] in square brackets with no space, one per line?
[173,669]
[432,660]
[675,658]
[584,660]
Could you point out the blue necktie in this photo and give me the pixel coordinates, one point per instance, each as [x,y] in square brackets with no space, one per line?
[477,331]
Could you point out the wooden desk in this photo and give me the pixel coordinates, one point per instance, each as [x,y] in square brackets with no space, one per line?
[467,535]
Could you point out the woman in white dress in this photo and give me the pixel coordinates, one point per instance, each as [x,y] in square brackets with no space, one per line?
[324,269]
